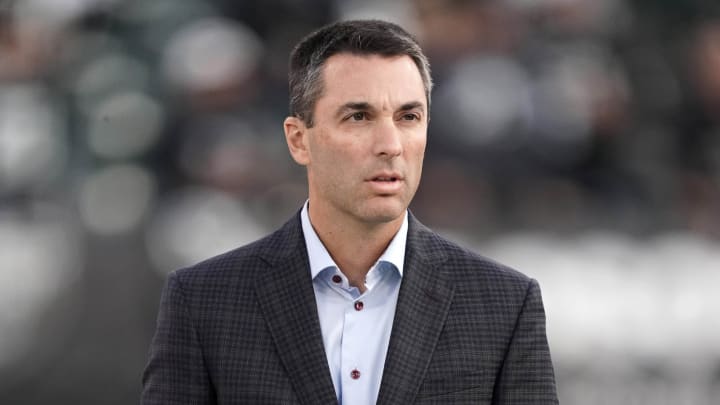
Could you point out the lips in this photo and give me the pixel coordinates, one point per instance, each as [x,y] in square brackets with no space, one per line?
[385,177]
[386,184]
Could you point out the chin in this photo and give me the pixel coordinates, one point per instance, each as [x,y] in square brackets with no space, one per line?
[384,212]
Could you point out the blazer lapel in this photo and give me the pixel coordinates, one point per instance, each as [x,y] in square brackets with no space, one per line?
[423,303]
[287,300]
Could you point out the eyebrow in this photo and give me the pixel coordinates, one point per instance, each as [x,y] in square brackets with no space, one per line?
[365,106]
[412,105]
[353,106]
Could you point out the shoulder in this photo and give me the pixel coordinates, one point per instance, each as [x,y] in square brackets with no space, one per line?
[466,268]
[466,264]
[241,265]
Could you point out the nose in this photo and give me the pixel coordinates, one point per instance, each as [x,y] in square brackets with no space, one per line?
[388,141]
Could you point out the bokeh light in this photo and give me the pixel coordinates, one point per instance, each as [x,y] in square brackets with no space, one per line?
[195,224]
[125,125]
[116,199]
[32,149]
[210,53]
[40,257]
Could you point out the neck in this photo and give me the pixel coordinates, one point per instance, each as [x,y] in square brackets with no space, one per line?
[354,246]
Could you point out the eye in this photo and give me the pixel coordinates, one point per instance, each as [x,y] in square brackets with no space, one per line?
[358,116]
[411,117]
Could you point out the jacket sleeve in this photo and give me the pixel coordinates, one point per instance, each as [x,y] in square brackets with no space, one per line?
[527,375]
[176,373]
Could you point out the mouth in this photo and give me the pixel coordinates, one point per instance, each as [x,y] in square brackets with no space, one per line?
[385,178]
[386,184]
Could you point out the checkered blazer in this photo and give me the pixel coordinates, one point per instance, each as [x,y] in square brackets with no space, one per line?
[242,328]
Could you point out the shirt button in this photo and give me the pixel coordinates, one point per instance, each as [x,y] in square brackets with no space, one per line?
[336,279]
[355,374]
[359,305]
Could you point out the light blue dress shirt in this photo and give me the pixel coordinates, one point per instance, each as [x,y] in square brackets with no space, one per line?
[355,327]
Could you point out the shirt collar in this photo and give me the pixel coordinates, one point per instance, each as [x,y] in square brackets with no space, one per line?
[320,258]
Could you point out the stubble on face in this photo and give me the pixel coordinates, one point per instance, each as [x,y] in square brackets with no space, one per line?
[367,146]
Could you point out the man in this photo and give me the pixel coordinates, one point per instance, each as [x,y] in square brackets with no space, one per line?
[353,301]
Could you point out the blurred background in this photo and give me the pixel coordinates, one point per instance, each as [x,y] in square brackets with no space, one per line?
[576,140]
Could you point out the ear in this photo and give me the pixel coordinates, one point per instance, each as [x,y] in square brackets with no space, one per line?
[296,134]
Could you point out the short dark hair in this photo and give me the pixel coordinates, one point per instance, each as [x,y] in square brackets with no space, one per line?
[359,37]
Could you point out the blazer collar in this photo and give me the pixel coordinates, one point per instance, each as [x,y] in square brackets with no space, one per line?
[286,297]
[423,303]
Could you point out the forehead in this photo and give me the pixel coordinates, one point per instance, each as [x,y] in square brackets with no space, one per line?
[372,79]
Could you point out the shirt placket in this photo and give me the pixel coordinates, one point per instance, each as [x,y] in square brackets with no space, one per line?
[355,366]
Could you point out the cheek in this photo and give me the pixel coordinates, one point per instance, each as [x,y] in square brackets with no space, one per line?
[331,158]
[417,151]
[415,161]
[330,163]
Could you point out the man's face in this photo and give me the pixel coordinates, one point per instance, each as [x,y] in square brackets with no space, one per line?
[364,154]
